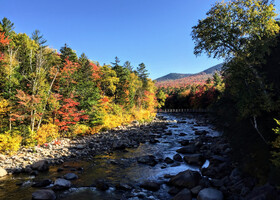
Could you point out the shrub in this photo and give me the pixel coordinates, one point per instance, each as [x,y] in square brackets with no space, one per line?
[9,144]
[80,129]
[47,133]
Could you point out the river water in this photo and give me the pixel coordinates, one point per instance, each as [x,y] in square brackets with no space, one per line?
[118,167]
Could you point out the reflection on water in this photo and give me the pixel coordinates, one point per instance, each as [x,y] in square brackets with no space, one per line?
[120,166]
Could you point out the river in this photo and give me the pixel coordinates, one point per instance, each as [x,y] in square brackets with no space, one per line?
[120,166]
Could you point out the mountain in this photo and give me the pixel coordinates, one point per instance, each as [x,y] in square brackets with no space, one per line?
[172,76]
[175,76]
[212,70]
[175,80]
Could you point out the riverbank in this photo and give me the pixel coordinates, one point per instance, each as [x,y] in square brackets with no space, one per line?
[178,156]
[37,158]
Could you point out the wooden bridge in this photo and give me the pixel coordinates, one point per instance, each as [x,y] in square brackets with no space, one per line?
[184,110]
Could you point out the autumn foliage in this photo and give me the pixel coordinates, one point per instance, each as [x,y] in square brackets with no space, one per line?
[194,95]
[46,94]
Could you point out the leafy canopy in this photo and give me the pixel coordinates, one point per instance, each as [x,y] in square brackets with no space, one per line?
[236,28]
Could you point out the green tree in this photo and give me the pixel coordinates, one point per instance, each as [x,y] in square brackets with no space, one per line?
[208,81]
[117,61]
[142,72]
[38,38]
[108,81]
[161,97]
[88,94]
[217,79]
[128,66]
[68,53]
[6,26]
[243,32]
[236,28]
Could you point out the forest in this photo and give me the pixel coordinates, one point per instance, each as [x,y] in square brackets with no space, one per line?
[245,98]
[48,94]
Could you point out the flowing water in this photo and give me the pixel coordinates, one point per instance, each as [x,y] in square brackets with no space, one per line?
[116,167]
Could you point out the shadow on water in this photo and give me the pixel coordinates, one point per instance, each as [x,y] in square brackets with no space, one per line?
[117,167]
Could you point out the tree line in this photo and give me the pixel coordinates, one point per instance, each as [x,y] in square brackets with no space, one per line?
[245,33]
[46,94]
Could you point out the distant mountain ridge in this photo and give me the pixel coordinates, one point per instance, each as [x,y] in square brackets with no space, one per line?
[175,76]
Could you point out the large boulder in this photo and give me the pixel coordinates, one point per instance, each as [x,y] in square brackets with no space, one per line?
[184,194]
[101,185]
[150,185]
[210,194]
[3,172]
[62,184]
[185,179]
[70,176]
[119,145]
[148,159]
[177,157]
[40,165]
[168,160]
[42,183]
[43,195]
[187,149]
[194,159]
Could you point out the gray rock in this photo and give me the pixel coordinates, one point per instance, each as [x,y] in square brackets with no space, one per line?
[173,191]
[177,157]
[187,149]
[80,146]
[149,160]
[43,195]
[210,194]
[62,184]
[168,160]
[194,159]
[119,145]
[101,185]
[184,194]
[3,172]
[40,166]
[150,185]
[123,186]
[70,176]
[185,179]
[196,190]
[42,183]
[235,174]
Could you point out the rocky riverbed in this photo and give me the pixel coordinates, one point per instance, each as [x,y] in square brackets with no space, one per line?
[174,157]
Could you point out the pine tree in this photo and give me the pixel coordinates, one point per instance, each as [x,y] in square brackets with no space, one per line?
[68,53]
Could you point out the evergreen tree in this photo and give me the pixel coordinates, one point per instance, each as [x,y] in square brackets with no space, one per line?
[38,38]
[6,26]
[142,71]
[116,63]
[128,66]
[217,79]
[68,53]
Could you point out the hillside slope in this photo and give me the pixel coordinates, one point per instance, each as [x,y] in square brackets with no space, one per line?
[175,76]
[182,80]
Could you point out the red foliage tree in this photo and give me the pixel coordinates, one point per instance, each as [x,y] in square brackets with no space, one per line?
[69,114]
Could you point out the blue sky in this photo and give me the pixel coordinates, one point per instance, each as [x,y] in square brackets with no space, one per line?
[156,32]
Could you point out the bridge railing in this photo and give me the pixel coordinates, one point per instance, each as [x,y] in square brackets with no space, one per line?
[184,110]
